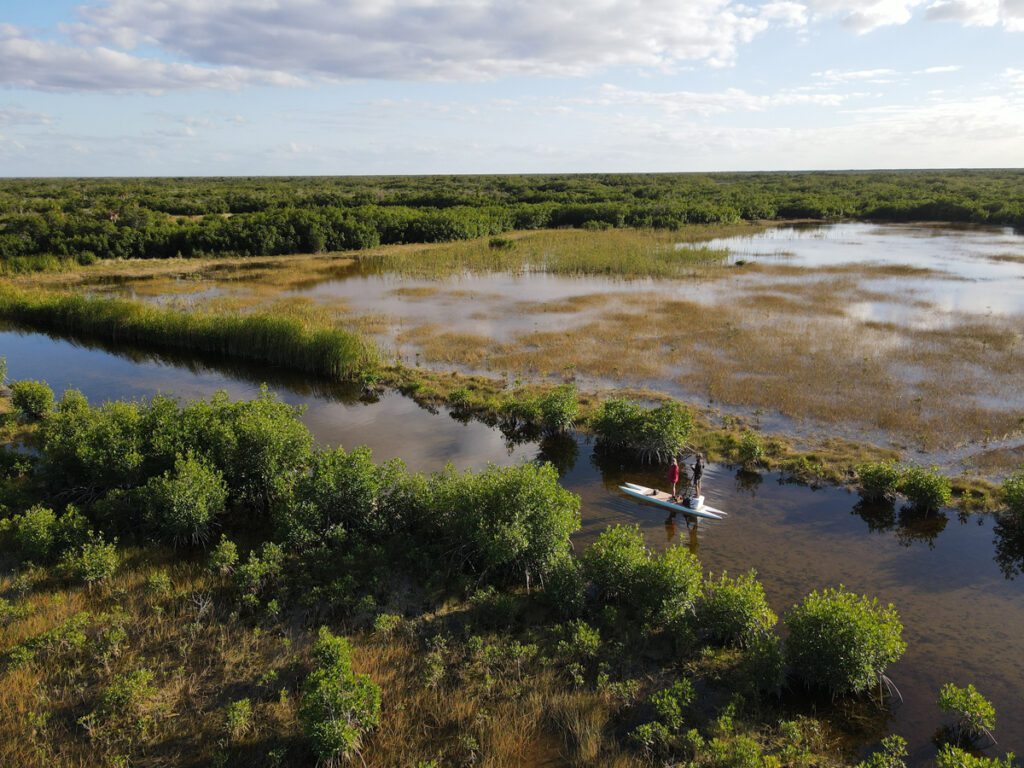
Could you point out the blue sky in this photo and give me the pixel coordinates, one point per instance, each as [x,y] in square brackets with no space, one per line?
[194,87]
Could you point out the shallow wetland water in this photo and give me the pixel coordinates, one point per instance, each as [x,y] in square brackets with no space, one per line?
[948,576]
[905,335]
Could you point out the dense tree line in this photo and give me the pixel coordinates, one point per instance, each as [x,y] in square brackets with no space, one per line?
[160,218]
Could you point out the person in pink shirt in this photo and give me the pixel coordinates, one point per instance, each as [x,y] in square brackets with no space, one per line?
[673,475]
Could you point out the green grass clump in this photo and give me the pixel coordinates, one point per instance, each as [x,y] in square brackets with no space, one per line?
[262,337]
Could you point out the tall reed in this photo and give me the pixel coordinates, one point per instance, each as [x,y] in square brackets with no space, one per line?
[291,342]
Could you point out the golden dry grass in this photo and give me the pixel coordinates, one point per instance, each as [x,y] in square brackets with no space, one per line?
[204,656]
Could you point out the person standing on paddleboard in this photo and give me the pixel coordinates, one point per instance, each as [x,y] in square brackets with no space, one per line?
[698,474]
[673,475]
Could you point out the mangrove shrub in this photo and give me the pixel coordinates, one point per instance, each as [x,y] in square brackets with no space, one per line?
[660,588]
[925,489]
[1012,493]
[878,480]
[559,408]
[183,504]
[646,433]
[338,706]
[734,611]
[32,399]
[975,715]
[502,523]
[950,756]
[842,642]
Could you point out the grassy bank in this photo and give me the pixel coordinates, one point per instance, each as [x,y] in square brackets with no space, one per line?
[295,342]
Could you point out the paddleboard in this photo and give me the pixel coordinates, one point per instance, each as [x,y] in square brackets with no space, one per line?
[663,499]
[701,505]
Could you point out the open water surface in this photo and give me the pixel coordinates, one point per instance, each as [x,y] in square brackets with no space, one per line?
[951,578]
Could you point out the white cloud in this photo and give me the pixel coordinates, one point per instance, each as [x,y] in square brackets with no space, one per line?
[683,103]
[14,115]
[973,13]
[938,70]
[26,62]
[864,16]
[424,39]
[876,76]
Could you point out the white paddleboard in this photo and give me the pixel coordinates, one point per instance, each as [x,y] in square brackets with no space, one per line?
[700,506]
[663,499]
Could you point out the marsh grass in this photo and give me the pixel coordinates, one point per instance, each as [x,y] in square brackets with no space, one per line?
[627,254]
[286,337]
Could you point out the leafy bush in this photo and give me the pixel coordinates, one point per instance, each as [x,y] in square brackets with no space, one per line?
[660,588]
[763,665]
[126,707]
[238,719]
[670,703]
[32,399]
[735,611]
[387,623]
[95,561]
[925,489]
[38,535]
[564,585]
[668,586]
[559,408]
[520,411]
[893,754]
[950,756]
[647,433]
[261,572]
[224,556]
[878,480]
[653,739]
[614,561]
[342,489]
[3,371]
[1012,493]
[842,642]
[182,505]
[975,715]
[751,451]
[502,523]
[338,706]
[31,534]
[581,642]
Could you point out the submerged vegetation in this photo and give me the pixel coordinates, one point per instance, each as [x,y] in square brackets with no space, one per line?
[346,602]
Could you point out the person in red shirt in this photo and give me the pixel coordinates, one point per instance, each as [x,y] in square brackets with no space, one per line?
[673,475]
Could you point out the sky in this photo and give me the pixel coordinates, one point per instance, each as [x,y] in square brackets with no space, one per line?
[253,87]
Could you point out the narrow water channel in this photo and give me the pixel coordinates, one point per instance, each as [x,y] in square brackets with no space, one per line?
[950,577]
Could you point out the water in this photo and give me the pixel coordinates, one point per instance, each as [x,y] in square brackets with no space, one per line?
[948,576]
[978,270]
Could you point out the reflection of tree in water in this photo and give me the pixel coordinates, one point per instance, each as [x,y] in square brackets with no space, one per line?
[909,525]
[1009,544]
[748,482]
[879,515]
[561,450]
